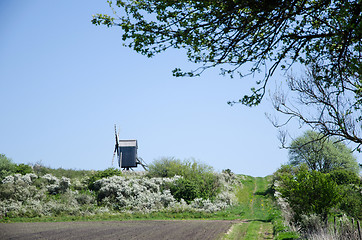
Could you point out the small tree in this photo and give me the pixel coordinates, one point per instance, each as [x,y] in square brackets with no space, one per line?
[321,153]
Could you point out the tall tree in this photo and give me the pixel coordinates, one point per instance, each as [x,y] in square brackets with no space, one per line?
[323,156]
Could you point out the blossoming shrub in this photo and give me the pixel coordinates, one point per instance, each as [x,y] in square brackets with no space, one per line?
[30,196]
[153,194]
[109,172]
[135,194]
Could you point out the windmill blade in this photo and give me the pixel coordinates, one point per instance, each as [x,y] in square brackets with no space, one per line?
[114,153]
[116,147]
[115,133]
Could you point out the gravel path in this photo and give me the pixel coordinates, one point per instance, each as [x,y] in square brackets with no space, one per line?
[150,230]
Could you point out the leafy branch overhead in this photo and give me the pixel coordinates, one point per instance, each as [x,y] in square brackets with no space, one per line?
[230,33]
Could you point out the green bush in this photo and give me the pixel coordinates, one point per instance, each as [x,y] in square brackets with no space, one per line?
[109,172]
[342,177]
[7,167]
[166,167]
[199,180]
[351,200]
[23,169]
[309,192]
[185,189]
[351,192]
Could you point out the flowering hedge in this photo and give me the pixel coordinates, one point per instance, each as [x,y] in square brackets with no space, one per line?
[31,195]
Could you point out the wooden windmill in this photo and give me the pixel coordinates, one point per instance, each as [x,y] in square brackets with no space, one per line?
[126,152]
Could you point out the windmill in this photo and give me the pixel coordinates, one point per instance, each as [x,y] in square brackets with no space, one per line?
[126,151]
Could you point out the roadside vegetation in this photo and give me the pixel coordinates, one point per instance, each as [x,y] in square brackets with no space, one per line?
[294,203]
[320,190]
[171,189]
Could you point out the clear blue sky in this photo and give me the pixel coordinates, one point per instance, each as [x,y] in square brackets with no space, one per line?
[64,83]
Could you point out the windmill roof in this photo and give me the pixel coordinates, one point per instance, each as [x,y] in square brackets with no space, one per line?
[127,143]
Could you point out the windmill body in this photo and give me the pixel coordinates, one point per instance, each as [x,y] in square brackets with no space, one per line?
[126,151]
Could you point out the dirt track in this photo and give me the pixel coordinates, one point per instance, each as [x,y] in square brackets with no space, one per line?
[193,229]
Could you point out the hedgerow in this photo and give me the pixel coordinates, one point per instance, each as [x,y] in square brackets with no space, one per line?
[34,195]
[309,201]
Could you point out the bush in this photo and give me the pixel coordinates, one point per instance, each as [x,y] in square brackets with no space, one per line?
[185,189]
[351,200]
[109,172]
[56,186]
[342,177]
[199,180]
[39,169]
[309,192]
[7,167]
[23,169]
[166,167]
[135,194]
[85,199]
[343,229]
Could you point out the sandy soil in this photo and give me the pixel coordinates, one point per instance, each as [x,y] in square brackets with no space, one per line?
[150,230]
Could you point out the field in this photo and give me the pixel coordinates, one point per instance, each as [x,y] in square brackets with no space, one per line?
[151,230]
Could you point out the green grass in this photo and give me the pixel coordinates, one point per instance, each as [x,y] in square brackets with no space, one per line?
[254,230]
[254,200]
[238,231]
[228,214]
[251,230]
[261,218]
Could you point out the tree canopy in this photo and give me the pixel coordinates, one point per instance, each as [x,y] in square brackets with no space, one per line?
[231,33]
[323,156]
[262,35]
